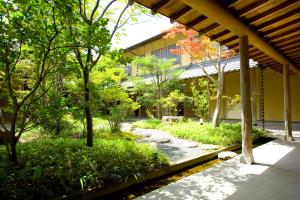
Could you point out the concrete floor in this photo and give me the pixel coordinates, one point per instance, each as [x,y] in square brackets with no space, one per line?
[275,175]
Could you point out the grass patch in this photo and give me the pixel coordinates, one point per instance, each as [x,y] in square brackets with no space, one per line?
[148,124]
[50,168]
[115,136]
[225,135]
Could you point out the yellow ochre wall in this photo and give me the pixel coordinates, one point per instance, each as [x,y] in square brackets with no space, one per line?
[274,96]
[273,90]
[273,87]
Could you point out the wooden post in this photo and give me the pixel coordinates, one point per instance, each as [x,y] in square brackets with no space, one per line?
[287,104]
[247,156]
[254,102]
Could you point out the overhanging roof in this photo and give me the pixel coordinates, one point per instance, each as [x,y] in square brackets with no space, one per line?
[233,64]
[277,23]
[194,70]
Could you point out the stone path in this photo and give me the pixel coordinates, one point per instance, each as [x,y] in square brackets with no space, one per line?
[176,149]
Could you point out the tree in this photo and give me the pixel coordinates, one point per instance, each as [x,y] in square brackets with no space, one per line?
[160,82]
[200,49]
[91,39]
[30,32]
[106,86]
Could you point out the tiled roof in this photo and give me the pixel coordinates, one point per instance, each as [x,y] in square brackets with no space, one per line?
[193,71]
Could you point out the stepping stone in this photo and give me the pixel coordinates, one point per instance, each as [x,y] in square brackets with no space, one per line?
[191,145]
[209,147]
[162,140]
[140,133]
[225,155]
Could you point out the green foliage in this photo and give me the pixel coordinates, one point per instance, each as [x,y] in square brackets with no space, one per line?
[50,168]
[224,135]
[119,105]
[157,82]
[171,102]
[231,101]
[51,117]
[200,98]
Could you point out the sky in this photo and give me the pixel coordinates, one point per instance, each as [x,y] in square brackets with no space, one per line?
[147,27]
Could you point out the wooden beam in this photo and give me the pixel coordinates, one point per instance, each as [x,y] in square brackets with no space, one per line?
[293,54]
[271,31]
[256,53]
[285,33]
[216,36]
[283,26]
[226,41]
[222,16]
[244,11]
[288,44]
[196,21]
[209,28]
[292,49]
[159,5]
[260,56]
[233,3]
[180,13]
[268,62]
[287,40]
[287,104]
[247,156]
[266,59]
[252,7]
[271,11]
[277,19]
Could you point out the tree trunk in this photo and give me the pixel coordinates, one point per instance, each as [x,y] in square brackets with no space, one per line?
[87,109]
[140,112]
[159,106]
[159,111]
[13,140]
[215,120]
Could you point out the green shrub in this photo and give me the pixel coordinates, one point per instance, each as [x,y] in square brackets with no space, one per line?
[224,135]
[51,168]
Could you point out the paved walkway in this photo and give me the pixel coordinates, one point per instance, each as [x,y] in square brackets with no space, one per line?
[276,175]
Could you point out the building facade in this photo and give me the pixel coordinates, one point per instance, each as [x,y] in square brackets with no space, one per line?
[266,84]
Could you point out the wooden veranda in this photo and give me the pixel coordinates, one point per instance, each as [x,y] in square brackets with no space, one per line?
[267,31]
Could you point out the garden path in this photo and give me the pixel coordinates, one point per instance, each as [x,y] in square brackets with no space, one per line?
[176,149]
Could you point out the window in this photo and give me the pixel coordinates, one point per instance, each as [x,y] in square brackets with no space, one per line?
[166,53]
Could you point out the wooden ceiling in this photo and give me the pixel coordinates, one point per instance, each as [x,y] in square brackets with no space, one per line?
[276,21]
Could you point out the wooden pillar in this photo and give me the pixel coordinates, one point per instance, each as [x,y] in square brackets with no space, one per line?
[254,101]
[287,104]
[247,156]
